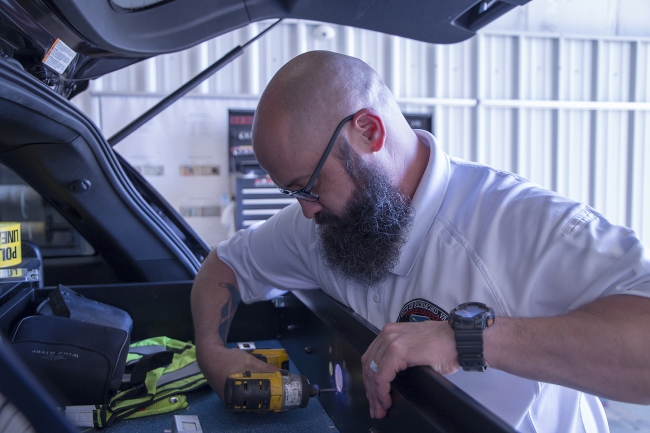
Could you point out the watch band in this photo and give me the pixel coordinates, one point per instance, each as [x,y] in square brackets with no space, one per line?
[469,344]
[469,334]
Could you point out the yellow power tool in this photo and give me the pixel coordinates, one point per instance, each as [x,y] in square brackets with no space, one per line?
[278,391]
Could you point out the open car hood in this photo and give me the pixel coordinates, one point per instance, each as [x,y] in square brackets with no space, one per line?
[106,36]
[54,147]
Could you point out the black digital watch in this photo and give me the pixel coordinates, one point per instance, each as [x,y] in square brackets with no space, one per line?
[468,321]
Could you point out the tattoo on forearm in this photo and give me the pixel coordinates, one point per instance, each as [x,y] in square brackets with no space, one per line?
[228,310]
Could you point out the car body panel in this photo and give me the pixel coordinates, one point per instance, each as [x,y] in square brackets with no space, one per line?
[51,144]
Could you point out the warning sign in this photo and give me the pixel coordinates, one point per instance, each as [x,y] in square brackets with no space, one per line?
[10,251]
[59,56]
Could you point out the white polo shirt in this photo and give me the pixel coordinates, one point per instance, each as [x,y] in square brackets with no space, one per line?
[479,234]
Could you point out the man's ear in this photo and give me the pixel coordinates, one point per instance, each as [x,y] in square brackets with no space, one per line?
[370,133]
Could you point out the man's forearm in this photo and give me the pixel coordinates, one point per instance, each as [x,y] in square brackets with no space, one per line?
[601,348]
[215,297]
[214,302]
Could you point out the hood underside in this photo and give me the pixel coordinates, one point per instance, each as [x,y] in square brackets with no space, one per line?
[103,36]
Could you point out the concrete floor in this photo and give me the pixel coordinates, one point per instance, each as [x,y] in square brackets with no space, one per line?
[627,418]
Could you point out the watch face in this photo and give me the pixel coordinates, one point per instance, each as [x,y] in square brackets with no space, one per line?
[470,311]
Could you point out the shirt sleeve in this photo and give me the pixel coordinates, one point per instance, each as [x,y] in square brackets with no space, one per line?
[272,257]
[614,255]
[562,255]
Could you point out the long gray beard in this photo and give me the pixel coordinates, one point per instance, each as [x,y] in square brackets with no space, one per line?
[364,244]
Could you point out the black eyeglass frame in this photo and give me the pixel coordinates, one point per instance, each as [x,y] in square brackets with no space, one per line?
[305,193]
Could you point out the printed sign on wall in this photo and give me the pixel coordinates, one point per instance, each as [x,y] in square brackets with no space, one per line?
[183,153]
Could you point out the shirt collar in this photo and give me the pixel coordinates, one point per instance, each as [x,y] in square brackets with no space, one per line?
[426,202]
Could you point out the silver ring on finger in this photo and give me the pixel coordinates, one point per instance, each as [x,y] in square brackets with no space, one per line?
[373,366]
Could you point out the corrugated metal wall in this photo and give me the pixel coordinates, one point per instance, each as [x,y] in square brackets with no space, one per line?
[571,113]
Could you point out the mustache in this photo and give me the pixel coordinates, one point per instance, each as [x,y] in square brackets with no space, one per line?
[323,218]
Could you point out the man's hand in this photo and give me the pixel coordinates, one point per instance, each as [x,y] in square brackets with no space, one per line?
[218,362]
[403,345]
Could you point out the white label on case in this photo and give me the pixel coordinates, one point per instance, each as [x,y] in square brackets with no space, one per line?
[59,56]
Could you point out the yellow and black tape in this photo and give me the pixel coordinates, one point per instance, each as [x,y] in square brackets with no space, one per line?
[10,251]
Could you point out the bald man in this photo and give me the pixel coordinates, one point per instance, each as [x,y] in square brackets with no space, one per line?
[390,225]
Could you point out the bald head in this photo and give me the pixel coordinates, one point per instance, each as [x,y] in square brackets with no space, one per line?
[327,85]
[307,98]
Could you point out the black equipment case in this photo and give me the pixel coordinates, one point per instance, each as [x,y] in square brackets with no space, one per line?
[77,344]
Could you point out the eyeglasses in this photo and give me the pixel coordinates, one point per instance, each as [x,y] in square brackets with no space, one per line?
[305,193]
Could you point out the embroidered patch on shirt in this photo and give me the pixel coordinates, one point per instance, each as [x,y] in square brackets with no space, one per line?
[421,310]
[578,222]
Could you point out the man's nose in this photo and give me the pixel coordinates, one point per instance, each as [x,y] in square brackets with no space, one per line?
[309,208]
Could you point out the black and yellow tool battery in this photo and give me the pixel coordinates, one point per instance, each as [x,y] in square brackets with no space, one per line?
[276,357]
